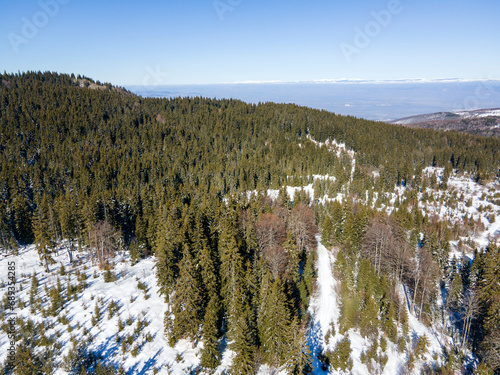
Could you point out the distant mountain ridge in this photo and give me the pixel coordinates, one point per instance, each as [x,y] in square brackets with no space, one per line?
[485,122]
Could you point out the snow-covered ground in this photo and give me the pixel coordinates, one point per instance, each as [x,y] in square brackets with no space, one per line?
[134,304]
[324,309]
[463,197]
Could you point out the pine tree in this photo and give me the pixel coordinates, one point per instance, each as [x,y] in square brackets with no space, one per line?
[369,318]
[231,271]
[243,342]
[7,240]
[43,237]
[27,360]
[298,360]
[483,369]
[340,358]
[388,324]
[209,271]
[273,321]
[21,218]
[490,297]
[455,293]
[69,221]
[168,250]
[284,197]
[210,356]
[187,300]
[327,231]
[57,300]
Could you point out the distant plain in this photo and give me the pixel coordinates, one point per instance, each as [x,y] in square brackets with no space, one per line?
[374,101]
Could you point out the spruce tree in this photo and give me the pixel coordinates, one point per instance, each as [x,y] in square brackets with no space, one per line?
[327,231]
[187,300]
[231,271]
[243,342]
[298,359]
[7,240]
[455,293]
[209,270]
[210,356]
[43,237]
[273,321]
[340,358]
[168,250]
[369,322]
[69,221]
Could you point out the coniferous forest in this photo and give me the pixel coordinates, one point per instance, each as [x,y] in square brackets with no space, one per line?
[185,181]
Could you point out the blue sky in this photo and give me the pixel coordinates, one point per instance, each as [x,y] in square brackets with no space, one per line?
[206,41]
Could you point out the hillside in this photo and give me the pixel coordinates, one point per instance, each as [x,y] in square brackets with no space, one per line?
[192,235]
[126,328]
[484,122]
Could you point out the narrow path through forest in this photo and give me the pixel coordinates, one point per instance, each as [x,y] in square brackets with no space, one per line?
[324,303]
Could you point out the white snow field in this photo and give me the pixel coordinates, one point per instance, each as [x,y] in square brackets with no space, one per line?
[134,304]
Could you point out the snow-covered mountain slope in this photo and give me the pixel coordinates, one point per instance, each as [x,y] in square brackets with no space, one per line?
[324,309]
[478,113]
[484,122]
[139,306]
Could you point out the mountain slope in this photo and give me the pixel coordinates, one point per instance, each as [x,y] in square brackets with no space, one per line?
[485,122]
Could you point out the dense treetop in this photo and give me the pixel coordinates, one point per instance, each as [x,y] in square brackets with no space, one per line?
[118,156]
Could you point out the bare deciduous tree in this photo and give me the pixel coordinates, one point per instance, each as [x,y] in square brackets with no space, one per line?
[470,309]
[104,241]
[491,348]
[424,278]
[302,223]
[388,248]
[277,260]
[270,231]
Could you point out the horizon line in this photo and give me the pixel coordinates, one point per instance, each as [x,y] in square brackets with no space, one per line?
[327,81]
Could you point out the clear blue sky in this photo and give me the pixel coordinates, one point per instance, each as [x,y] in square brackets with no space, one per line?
[189,41]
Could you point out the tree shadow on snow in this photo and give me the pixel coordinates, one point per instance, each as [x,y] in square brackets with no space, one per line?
[148,365]
[315,342]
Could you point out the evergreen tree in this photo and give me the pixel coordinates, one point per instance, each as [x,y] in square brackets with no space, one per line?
[231,270]
[327,231]
[43,237]
[210,356]
[490,298]
[455,293]
[340,358]
[187,300]
[168,250]
[69,221]
[209,270]
[7,240]
[388,324]
[369,318]
[298,360]
[273,322]
[243,342]
[21,220]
